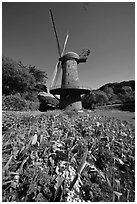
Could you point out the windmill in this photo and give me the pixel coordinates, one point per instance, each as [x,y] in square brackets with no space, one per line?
[70,91]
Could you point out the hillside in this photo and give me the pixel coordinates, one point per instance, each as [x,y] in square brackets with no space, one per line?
[117,86]
[112,93]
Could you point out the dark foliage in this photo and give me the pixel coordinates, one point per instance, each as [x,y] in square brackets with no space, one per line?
[17,103]
[40,76]
[117,86]
[95,98]
[112,93]
[18,78]
[40,87]
[47,103]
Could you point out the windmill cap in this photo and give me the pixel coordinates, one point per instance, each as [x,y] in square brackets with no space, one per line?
[70,55]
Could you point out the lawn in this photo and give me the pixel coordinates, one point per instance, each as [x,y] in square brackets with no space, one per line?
[121,115]
[63,156]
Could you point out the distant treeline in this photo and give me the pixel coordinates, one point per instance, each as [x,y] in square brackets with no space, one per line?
[22,83]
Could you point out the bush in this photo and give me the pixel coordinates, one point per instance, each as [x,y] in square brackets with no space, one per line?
[47,102]
[95,98]
[32,105]
[30,96]
[16,103]
[19,78]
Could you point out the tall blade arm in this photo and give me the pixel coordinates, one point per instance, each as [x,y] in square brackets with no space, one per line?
[54,28]
[57,70]
[56,74]
[65,43]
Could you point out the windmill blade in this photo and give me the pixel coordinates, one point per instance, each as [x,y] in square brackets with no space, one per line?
[57,70]
[64,46]
[55,32]
[56,74]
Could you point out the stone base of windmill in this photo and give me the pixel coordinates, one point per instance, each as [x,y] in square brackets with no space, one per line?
[72,101]
[72,107]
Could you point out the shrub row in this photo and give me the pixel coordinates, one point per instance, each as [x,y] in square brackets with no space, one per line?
[16,103]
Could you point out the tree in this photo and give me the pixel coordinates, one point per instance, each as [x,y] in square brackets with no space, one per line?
[40,76]
[126,89]
[95,98]
[109,91]
[15,78]
[101,97]
[19,78]
[89,100]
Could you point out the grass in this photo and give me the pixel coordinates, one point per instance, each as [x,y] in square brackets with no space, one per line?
[121,115]
[62,156]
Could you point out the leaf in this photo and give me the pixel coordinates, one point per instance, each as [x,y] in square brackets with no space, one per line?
[83,162]
[80,181]
[34,139]
[51,161]
[108,181]
[80,169]
[60,180]
[74,149]
[128,191]
[22,149]
[47,134]
[117,184]
[73,182]
[7,182]
[92,167]
[37,163]
[56,146]
[73,161]
[15,151]
[101,174]
[97,124]
[119,160]
[106,139]
[22,164]
[118,194]
[41,138]
[41,198]
[14,184]
[14,173]
[7,164]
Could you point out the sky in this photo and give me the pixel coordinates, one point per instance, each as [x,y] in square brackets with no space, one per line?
[106,28]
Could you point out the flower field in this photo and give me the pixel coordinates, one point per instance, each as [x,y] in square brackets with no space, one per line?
[63,157]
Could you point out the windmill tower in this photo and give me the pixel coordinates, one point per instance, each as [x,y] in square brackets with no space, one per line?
[70,91]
